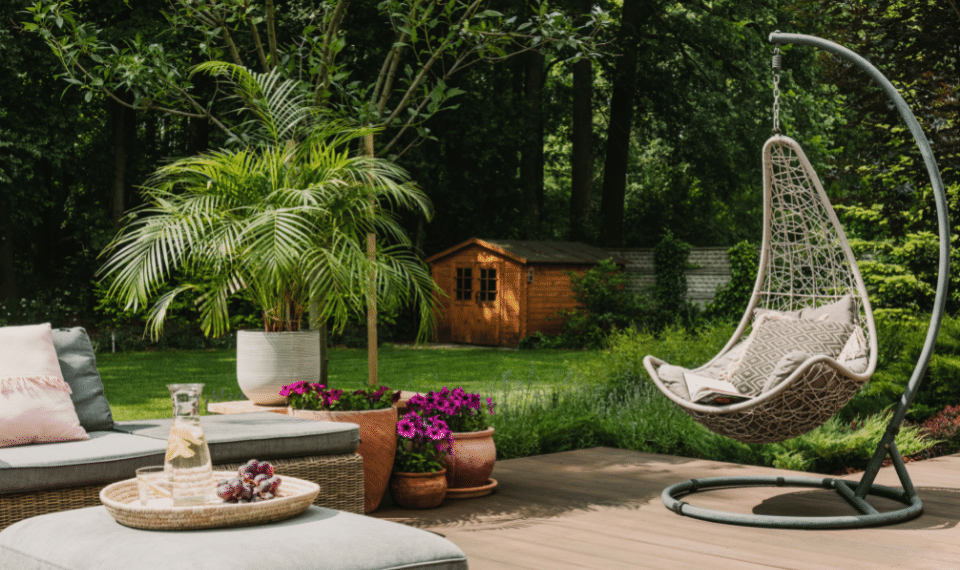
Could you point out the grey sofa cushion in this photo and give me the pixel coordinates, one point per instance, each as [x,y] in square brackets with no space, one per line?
[79,366]
[90,539]
[261,435]
[107,456]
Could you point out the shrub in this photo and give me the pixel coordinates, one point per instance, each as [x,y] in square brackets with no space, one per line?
[670,292]
[900,342]
[945,427]
[605,303]
[839,446]
[731,299]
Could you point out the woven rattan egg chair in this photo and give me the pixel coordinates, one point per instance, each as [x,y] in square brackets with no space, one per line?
[806,265]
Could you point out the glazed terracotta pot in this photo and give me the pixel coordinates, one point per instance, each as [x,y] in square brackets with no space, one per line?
[268,361]
[472,460]
[378,446]
[419,490]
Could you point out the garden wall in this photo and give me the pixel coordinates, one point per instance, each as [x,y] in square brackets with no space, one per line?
[711,270]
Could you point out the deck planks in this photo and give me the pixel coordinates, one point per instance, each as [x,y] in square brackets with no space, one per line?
[600,508]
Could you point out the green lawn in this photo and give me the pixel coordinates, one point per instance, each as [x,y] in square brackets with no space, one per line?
[135,382]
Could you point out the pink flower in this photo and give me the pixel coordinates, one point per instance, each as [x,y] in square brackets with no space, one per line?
[405,428]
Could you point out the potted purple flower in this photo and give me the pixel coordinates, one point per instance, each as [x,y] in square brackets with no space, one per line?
[372,409]
[419,478]
[473,453]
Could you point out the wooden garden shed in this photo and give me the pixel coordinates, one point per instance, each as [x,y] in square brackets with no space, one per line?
[500,291]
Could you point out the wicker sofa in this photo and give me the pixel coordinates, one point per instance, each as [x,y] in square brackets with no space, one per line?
[43,478]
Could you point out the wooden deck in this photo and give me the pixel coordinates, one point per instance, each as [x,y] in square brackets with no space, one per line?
[600,509]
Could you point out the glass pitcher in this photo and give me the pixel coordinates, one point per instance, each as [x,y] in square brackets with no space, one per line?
[188,456]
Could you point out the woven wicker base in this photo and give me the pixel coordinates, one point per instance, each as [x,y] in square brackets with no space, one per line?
[340,478]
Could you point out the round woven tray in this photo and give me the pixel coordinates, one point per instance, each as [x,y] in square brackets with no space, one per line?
[122,501]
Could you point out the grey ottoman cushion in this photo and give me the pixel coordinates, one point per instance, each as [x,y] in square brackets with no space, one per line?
[107,456]
[79,367]
[263,435]
[90,539]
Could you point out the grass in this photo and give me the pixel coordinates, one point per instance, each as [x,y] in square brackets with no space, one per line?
[135,382]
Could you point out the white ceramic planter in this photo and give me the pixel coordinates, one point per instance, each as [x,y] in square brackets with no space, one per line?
[267,361]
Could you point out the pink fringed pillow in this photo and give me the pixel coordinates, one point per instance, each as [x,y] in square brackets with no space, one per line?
[35,405]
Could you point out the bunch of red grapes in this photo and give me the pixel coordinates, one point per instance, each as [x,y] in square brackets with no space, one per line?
[254,482]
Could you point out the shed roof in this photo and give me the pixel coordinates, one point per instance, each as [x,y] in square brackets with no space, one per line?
[551,252]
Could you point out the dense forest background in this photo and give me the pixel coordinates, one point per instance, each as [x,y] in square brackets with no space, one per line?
[659,128]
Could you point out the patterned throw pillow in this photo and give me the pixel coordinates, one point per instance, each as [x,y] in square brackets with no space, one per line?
[35,404]
[774,338]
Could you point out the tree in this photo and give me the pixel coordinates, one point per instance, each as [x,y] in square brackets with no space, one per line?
[693,112]
[442,39]
[427,45]
[281,222]
[877,172]
[621,122]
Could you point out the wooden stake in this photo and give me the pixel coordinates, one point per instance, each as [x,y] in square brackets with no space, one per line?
[372,298]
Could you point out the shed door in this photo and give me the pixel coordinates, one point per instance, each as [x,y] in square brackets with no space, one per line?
[476,303]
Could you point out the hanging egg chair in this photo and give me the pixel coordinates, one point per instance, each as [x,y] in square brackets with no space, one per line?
[807,341]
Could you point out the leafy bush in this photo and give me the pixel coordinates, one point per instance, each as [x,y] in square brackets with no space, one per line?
[605,303]
[731,299]
[945,427]
[670,292]
[52,306]
[900,343]
[837,446]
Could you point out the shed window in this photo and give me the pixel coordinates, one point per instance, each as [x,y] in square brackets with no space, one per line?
[464,283]
[488,285]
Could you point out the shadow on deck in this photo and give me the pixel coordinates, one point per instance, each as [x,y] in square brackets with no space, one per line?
[600,508]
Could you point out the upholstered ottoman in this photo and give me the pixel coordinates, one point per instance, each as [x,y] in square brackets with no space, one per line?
[90,539]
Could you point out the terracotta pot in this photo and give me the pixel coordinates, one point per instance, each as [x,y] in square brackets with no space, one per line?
[472,460]
[267,361]
[419,490]
[378,446]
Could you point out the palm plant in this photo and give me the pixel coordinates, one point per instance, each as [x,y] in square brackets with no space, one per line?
[280,219]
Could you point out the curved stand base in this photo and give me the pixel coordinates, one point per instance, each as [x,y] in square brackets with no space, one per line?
[869,516]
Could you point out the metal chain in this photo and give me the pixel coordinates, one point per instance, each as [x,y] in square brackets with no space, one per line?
[775,64]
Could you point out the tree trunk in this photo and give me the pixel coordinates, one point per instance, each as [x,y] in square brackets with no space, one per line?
[531,153]
[618,133]
[199,129]
[8,275]
[124,122]
[581,161]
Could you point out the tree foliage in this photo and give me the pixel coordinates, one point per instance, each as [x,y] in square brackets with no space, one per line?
[877,173]
[281,222]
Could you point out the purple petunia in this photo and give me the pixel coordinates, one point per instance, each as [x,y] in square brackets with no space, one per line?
[406,428]
[463,412]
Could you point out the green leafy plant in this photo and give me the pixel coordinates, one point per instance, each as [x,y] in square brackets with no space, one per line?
[839,446]
[422,443]
[670,291]
[731,299]
[901,341]
[281,222]
[303,395]
[605,304]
